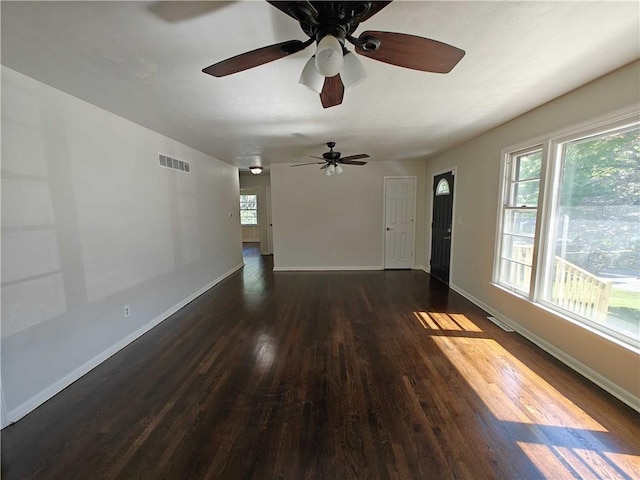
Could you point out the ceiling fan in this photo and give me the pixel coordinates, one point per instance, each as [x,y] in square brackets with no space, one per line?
[331,160]
[334,68]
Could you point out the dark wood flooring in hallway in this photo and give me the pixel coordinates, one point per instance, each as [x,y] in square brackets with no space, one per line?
[327,375]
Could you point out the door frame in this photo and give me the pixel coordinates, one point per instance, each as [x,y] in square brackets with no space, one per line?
[413,215]
[269,222]
[429,239]
[4,417]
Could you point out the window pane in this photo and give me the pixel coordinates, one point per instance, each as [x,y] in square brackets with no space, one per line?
[248,217]
[525,179]
[525,193]
[519,249]
[515,275]
[520,221]
[516,261]
[594,268]
[527,166]
[443,187]
[248,202]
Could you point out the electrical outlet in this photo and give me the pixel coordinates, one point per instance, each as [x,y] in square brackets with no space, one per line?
[127,311]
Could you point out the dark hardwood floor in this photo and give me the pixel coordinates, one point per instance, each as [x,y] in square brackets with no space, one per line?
[332,375]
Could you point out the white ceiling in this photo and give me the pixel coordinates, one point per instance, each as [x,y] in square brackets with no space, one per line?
[143,61]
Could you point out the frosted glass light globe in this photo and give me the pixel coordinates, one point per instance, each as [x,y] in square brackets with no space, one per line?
[329,58]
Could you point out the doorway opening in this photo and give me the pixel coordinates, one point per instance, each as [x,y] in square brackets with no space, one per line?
[255,214]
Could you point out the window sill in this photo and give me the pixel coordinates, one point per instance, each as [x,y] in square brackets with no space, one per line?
[630,344]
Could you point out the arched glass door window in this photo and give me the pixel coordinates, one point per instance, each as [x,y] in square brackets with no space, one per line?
[443,187]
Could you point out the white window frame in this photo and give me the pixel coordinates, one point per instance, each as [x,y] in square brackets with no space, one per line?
[505,191]
[543,242]
[249,192]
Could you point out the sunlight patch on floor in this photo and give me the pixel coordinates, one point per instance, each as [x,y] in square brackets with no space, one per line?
[511,390]
[564,462]
[629,463]
[446,322]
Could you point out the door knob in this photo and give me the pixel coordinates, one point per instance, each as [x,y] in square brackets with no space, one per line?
[389,228]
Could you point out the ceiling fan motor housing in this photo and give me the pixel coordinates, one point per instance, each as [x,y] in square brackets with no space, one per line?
[340,19]
[331,156]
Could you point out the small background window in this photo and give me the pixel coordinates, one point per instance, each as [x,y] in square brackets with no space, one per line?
[249,209]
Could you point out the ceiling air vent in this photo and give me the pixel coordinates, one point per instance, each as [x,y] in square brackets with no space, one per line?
[173,163]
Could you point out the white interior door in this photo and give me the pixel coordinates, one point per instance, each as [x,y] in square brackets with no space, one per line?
[399,207]
[269,250]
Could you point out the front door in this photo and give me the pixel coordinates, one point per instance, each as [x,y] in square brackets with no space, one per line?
[441,226]
[399,194]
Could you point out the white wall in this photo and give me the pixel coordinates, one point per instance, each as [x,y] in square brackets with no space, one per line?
[336,222]
[250,233]
[477,182]
[91,223]
[259,183]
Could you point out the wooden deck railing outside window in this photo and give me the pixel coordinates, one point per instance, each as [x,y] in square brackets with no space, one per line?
[573,288]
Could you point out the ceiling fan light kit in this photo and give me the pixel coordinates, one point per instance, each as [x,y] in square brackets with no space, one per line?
[353,71]
[329,60]
[333,68]
[310,77]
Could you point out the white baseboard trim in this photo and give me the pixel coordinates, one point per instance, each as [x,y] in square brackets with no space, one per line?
[326,269]
[41,397]
[620,393]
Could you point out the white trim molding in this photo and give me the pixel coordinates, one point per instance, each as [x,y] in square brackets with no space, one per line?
[327,269]
[44,395]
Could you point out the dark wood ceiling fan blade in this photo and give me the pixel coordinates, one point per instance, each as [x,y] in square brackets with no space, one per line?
[311,163]
[332,92]
[375,8]
[410,51]
[351,162]
[254,58]
[319,158]
[354,157]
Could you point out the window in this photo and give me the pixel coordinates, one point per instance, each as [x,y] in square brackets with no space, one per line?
[443,187]
[572,242]
[520,210]
[249,209]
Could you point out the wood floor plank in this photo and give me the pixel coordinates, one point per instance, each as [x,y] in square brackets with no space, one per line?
[327,375]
